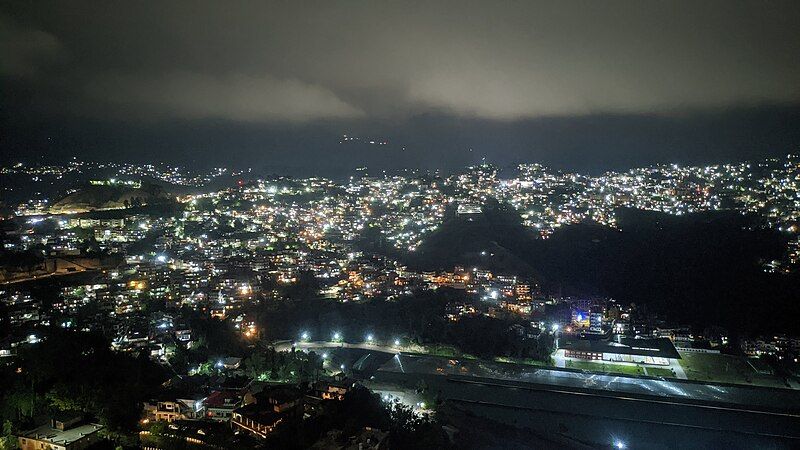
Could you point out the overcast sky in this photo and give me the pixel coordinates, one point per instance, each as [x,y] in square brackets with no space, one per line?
[590,85]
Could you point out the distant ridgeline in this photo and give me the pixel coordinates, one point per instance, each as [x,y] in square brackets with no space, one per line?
[110,195]
[705,267]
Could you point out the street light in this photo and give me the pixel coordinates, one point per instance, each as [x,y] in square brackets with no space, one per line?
[397,342]
[304,336]
[619,444]
[370,337]
[337,336]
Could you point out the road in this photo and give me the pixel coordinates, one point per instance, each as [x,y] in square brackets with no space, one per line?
[599,417]
[283,346]
[746,396]
[580,407]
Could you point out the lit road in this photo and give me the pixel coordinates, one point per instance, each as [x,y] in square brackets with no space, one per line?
[743,396]
[283,346]
[586,409]
[594,409]
[755,397]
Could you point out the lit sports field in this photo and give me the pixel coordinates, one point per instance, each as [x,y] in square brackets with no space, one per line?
[606,367]
[724,369]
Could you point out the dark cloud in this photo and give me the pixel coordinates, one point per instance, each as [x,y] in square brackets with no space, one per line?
[24,50]
[234,97]
[497,60]
[339,66]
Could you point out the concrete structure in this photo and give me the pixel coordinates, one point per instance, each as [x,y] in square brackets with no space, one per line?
[651,351]
[61,435]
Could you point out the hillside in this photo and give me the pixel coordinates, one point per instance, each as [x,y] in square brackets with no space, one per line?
[92,198]
[704,268]
[495,239]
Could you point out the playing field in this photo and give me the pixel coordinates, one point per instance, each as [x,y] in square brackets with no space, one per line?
[724,369]
[605,367]
[712,367]
[659,372]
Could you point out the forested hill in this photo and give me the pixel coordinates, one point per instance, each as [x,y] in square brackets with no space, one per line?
[704,268]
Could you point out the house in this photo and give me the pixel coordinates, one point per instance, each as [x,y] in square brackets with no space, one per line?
[66,433]
[220,405]
[231,363]
[271,408]
[179,409]
[334,389]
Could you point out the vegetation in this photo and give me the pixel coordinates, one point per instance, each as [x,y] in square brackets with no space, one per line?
[419,318]
[76,371]
[360,409]
[606,367]
[699,269]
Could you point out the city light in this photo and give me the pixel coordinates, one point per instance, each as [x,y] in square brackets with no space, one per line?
[534,232]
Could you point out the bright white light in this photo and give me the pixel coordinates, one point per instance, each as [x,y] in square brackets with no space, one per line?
[161,258]
[324,356]
[304,336]
[619,444]
[370,337]
[397,342]
[555,327]
[337,336]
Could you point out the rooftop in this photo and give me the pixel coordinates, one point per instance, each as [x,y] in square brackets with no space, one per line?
[66,437]
[657,347]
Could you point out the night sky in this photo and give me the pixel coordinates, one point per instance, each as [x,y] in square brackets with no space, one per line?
[589,86]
